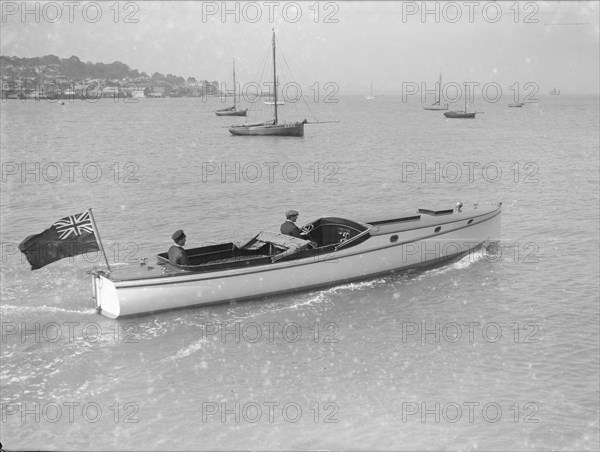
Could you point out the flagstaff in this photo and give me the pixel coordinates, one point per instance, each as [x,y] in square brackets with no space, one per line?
[98,237]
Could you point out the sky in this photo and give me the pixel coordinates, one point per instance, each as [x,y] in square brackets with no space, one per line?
[351,44]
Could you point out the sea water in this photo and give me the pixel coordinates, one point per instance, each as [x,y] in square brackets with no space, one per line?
[497,351]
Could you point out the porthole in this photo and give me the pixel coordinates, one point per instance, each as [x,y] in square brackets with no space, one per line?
[438,229]
[470,221]
[394,238]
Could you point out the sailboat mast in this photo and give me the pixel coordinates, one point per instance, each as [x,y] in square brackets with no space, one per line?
[234,84]
[274,77]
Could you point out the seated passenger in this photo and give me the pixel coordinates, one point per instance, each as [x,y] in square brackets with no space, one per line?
[289,227]
[177,254]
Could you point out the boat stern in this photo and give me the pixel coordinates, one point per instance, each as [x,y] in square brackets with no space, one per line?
[105,295]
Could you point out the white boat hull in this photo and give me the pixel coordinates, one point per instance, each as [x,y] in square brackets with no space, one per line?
[381,253]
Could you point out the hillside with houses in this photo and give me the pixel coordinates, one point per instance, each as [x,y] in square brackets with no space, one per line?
[50,77]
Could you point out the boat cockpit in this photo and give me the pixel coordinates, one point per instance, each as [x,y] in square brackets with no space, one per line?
[328,231]
[322,236]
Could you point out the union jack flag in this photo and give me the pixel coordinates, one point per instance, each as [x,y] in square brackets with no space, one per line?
[67,237]
[74,226]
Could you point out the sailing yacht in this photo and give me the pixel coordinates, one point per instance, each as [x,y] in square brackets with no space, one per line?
[437,106]
[460,114]
[273,127]
[232,111]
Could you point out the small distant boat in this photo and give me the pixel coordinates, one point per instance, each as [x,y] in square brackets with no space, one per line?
[460,114]
[272,127]
[516,104]
[555,92]
[437,106]
[232,111]
[272,102]
[370,96]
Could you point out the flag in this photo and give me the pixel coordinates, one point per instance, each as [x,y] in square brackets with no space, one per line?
[67,237]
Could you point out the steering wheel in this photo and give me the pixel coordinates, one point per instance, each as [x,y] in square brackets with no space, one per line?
[307,228]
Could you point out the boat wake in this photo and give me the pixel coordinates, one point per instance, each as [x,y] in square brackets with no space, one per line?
[469,259]
[7,309]
[324,297]
[311,299]
[361,285]
[187,351]
[278,305]
[475,256]
[319,298]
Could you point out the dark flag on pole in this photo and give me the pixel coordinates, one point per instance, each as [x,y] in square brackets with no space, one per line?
[67,237]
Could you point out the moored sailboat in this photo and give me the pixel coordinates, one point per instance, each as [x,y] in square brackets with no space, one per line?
[232,111]
[437,106]
[272,127]
[460,114]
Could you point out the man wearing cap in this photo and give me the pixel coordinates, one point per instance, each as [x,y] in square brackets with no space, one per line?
[289,227]
[176,253]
